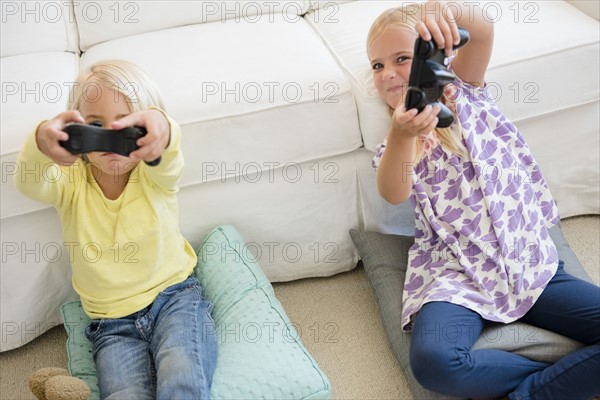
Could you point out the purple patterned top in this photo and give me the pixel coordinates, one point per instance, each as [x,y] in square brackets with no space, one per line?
[482,220]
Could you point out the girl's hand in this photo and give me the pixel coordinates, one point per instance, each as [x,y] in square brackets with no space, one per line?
[409,124]
[438,22]
[156,140]
[49,133]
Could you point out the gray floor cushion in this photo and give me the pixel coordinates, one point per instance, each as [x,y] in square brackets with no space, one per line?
[385,259]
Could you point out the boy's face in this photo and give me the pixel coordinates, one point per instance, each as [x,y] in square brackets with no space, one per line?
[391,58]
[102,107]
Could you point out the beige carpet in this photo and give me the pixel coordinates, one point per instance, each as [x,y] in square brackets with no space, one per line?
[336,317]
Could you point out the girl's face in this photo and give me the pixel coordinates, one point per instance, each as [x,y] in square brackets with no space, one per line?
[391,56]
[105,107]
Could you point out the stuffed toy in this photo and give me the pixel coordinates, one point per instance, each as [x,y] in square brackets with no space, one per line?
[57,384]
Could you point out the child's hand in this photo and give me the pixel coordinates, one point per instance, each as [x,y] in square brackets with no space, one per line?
[438,22]
[156,140]
[409,124]
[51,132]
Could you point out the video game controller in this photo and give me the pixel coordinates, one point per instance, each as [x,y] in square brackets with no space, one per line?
[88,138]
[428,76]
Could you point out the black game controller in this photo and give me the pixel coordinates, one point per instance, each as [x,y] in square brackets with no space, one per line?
[429,75]
[87,138]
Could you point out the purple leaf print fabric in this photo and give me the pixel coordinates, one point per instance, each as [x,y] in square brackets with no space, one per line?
[482,219]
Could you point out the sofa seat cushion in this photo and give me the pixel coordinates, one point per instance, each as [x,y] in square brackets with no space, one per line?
[260,355]
[385,259]
[240,90]
[295,219]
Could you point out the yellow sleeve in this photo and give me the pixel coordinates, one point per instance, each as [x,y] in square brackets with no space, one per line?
[167,174]
[43,180]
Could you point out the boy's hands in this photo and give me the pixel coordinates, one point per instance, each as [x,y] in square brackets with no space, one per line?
[156,140]
[50,132]
[438,22]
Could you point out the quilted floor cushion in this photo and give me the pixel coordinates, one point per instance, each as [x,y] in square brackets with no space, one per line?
[260,354]
[385,258]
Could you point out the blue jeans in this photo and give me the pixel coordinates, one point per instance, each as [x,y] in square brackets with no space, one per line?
[443,334]
[166,350]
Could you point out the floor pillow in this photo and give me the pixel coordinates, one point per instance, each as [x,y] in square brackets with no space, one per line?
[260,354]
[385,258]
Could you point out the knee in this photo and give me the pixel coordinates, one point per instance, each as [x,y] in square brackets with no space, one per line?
[434,369]
[427,365]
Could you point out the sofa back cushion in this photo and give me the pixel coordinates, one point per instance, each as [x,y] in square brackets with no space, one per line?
[100,21]
[39,26]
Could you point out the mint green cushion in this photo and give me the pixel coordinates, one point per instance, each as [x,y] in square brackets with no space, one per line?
[79,349]
[260,354]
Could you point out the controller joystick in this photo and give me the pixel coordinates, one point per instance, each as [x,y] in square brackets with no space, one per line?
[428,76]
[88,138]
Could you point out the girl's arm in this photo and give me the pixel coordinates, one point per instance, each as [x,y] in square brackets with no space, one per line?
[394,174]
[48,170]
[440,23]
[395,171]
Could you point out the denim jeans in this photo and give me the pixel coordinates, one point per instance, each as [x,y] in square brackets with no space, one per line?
[443,334]
[167,350]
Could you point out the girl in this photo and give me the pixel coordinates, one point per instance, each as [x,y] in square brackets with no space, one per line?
[131,265]
[482,250]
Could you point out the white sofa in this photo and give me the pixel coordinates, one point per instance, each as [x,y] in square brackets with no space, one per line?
[279,117]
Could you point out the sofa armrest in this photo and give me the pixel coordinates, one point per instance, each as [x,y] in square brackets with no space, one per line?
[591,8]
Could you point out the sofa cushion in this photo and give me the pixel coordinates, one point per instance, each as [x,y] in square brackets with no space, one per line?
[295,219]
[385,259]
[40,26]
[346,39]
[260,353]
[103,21]
[537,84]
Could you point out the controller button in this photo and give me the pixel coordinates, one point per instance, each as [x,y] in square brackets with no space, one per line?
[418,99]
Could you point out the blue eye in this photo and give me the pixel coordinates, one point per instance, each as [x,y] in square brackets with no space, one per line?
[401,59]
[377,66]
[96,123]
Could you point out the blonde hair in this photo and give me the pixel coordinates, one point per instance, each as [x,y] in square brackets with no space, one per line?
[121,76]
[405,18]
